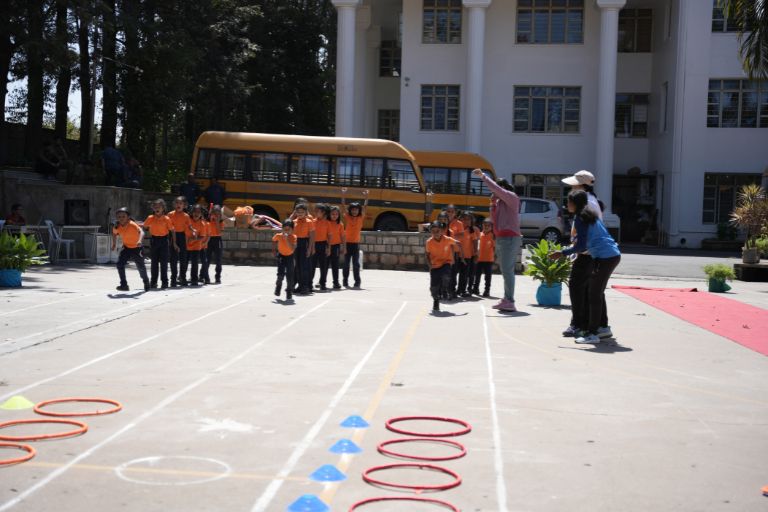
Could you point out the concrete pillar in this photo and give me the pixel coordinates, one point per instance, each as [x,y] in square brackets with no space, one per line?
[345,67]
[475,59]
[606,99]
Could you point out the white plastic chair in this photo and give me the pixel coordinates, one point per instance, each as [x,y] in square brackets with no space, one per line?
[55,242]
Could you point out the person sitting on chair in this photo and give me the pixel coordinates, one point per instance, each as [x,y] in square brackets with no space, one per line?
[15,218]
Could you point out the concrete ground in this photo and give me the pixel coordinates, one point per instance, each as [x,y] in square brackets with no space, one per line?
[232,399]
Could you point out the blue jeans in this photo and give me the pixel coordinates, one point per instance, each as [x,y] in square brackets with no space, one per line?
[507,249]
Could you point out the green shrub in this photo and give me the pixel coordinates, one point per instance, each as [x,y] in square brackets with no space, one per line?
[544,269]
[719,271]
[20,252]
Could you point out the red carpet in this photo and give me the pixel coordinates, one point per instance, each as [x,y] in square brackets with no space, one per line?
[746,325]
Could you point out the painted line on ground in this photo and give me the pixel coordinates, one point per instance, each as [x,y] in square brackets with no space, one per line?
[121,350]
[68,299]
[498,461]
[264,501]
[161,405]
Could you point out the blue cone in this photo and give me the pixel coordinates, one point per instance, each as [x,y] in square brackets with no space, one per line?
[355,422]
[327,473]
[308,503]
[345,446]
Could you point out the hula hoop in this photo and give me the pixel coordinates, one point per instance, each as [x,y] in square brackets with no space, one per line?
[403,498]
[18,460]
[383,451]
[39,407]
[82,429]
[418,488]
[466,430]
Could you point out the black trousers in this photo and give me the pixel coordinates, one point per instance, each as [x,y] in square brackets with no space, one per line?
[578,283]
[135,256]
[303,265]
[179,260]
[333,262]
[320,260]
[194,262]
[159,255]
[439,280]
[285,267]
[352,256]
[483,268]
[213,256]
[466,275]
[598,280]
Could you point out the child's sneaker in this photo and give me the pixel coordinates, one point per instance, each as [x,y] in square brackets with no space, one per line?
[277,291]
[122,288]
[605,332]
[486,294]
[174,284]
[148,286]
[571,332]
[435,305]
[164,286]
[588,339]
[218,280]
[337,286]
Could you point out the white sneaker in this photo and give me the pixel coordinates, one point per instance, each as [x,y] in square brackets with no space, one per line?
[571,332]
[605,332]
[588,339]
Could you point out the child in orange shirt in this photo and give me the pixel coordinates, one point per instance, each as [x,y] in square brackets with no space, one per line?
[456,231]
[485,254]
[283,247]
[336,242]
[322,248]
[197,235]
[161,231]
[215,246]
[439,250]
[304,229]
[179,260]
[353,225]
[132,236]
[468,255]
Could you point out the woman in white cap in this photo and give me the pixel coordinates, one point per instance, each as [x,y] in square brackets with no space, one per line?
[583,266]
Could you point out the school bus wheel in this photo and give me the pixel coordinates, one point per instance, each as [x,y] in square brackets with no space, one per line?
[391,222]
[262,209]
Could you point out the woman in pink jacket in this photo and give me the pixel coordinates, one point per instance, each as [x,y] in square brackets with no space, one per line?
[505,213]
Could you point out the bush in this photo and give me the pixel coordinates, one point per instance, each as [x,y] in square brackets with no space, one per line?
[20,252]
[719,271]
[544,269]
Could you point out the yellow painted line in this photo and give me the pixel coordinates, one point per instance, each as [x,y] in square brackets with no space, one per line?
[561,355]
[386,382]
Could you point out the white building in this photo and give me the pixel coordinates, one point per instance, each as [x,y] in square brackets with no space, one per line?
[647,94]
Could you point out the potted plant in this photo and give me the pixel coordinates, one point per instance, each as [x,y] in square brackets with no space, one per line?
[751,214]
[551,273]
[17,254]
[718,273]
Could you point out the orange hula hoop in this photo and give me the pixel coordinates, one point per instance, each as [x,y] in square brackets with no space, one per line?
[82,428]
[39,407]
[18,460]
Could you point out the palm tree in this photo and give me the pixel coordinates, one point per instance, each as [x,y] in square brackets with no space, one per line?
[752,19]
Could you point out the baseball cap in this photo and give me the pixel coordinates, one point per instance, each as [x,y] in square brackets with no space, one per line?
[580,178]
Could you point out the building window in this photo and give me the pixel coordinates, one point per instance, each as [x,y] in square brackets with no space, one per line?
[441,21]
[550,21]
[631,115]
[542,186]
[389,125]
[719,21]
[440,107]
[635,27]
[540,109]
[390,56]
[737,104]
[720,195]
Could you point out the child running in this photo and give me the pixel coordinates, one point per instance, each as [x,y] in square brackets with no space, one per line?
[132,236]
[181,223]
[485,251]
[161,231]
[283,247]
[336,241]
[215,246]
[304,229]
[440,251]
[353,225]
[197,234]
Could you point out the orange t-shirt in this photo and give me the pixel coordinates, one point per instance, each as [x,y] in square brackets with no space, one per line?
[282,244]
[334,232]
[181,221]
[214,227]
[353,227]
[302,227]
[487,248]
[440,251]
[322,226]
[159,226]
[196,244]
[130,233]
[457,229]
[468,242]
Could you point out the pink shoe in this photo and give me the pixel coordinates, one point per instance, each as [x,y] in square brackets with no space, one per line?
[500,303]
[509,307]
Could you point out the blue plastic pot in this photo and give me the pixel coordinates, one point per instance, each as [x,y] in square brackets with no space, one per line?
[10,278]
[549,295]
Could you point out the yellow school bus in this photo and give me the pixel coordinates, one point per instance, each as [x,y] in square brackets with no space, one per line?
[448,176]
[268,172]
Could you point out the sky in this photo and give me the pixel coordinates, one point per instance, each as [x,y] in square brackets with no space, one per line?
[74,102]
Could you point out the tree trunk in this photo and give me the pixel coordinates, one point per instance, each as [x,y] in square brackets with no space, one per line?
[164,147]
[35,95]
[109,77]
[64,81]
[131,92]
[83,40]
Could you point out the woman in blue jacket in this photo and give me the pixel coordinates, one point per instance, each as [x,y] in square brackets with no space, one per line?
[592,236]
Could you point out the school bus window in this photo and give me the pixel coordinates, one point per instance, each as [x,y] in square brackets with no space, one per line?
[310,169]
[206,163]
[374,173]
[477,186]
[459,181]
[436,178]
[269,167]
[349,172]
[401,175]
[231,166]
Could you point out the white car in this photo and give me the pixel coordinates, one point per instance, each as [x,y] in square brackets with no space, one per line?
[541,218]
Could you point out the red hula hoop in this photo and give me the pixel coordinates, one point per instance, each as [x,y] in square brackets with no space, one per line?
[82,429]
[39,407]
[466,430]
[403,498]
[18,460]
[383,451]
[418,488]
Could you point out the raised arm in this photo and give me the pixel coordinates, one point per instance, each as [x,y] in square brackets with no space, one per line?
[507,196]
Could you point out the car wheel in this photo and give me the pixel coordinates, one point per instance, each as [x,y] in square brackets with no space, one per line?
[551,235]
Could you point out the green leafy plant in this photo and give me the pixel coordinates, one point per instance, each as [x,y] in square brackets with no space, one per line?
[751,212]
[719,271]
[762,245]
[544,269]
[20,252]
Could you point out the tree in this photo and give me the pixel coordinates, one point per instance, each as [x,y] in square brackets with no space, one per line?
[61,56]
[751,17]
[83,16]
[35,85]
[109,74]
